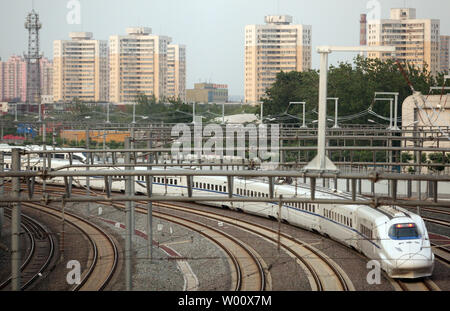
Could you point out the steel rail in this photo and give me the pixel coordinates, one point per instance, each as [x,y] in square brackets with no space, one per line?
[28,222]
[53,212]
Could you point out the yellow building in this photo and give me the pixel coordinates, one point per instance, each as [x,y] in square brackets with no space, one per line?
[95,135]
[80,68]
[138,65]
[416,40]
[276,46]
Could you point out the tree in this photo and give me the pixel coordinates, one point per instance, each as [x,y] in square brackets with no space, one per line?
[437,157]
[354,84]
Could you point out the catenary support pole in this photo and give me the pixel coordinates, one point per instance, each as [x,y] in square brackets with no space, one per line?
[128,221]
[88,160]
[150,204]
[15,224]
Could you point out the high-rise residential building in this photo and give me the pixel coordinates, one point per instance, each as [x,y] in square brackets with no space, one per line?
[444,53]
[176,72]
[138,65]
[80,68]
[416,40]
[13,79]
[46,76]
[276,46]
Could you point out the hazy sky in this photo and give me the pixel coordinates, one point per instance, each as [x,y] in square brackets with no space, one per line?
[212,30]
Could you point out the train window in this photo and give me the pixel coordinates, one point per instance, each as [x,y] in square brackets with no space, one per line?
[225,188]
[220,188]
[403,231]
[366,231]
[176,182]
[216,187]
[313,208]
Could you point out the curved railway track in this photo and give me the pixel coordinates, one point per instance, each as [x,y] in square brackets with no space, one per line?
[247,269]
[104,259]
[41,252]
[323,274]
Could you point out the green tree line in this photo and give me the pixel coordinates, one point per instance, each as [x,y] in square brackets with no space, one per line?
[354,84]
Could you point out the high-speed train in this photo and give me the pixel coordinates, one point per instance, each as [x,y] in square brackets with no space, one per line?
[397,238]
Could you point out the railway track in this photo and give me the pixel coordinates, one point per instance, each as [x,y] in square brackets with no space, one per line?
[247,267]
[421,285]
[323,274]
[41,252]
[103,262]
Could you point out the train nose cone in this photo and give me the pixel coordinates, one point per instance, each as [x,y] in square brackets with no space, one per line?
[412,261]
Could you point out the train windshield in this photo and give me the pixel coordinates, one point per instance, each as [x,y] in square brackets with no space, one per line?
[403,232]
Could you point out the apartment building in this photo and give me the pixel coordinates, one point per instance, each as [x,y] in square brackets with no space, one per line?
[276,46]
[444,53]
[80,68]
[176,72]
[416,40]
[138,65]
[13,79]
[46,76]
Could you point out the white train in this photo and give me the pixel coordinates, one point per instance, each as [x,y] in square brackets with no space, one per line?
[395,237]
